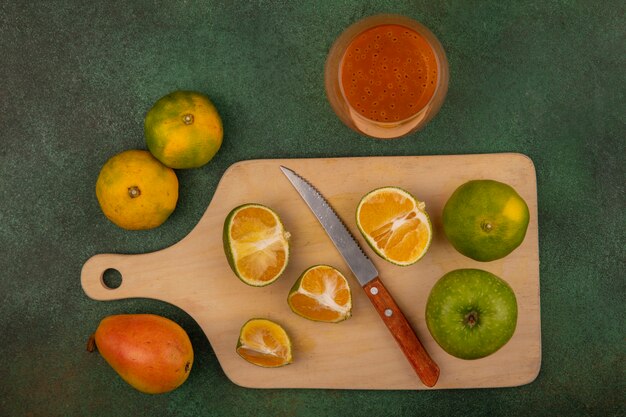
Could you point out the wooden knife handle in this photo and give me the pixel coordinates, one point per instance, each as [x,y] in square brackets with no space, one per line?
[424,366]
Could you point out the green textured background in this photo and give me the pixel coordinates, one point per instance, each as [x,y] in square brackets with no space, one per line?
[544,78]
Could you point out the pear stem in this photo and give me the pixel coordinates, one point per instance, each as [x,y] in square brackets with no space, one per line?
[91,343]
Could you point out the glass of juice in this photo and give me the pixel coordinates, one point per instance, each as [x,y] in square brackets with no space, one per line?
[386,76]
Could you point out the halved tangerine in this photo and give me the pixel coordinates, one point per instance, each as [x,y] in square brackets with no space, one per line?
[255,243]
[321,293]
[395,224]
[264,343]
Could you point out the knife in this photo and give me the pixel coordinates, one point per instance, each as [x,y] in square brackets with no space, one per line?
[367,275]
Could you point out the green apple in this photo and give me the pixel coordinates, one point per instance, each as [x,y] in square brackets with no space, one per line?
[471,313]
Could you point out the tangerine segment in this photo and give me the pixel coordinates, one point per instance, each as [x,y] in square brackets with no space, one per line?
[264,343]
[322,293]
[395,225]
[256,244]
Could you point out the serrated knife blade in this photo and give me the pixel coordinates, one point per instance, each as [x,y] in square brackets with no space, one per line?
[367,275]
[360,265]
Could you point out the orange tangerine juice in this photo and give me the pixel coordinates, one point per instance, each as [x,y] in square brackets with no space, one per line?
[388,73]
[386,76]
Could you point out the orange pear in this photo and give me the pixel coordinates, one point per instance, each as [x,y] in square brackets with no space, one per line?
[150,352]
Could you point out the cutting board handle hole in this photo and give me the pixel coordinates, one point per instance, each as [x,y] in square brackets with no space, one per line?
[111,279]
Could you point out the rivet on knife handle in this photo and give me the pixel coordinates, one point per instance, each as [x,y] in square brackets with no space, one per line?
[424,366]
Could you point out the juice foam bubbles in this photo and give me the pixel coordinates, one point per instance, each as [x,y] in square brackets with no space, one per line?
[388,73]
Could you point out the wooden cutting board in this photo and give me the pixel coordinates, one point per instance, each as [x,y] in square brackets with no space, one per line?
[359,353]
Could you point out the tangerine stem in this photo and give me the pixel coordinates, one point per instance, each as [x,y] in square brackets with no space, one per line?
[134,191]
[188,119]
